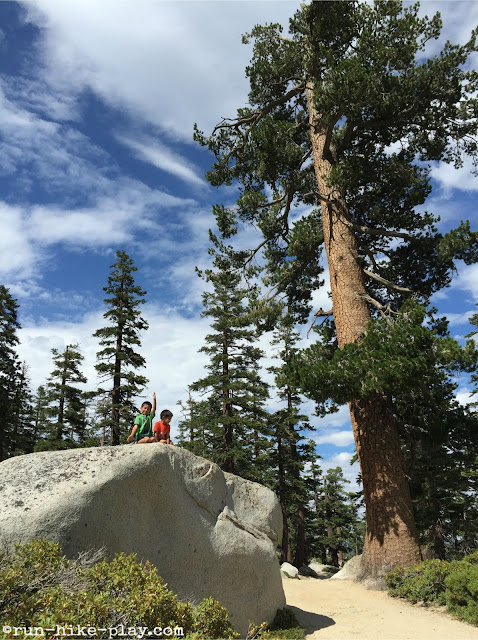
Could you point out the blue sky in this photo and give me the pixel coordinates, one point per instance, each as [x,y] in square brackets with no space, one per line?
[97,106]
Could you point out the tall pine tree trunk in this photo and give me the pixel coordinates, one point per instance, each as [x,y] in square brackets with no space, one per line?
[116,393]
[61,408]
[340,554]
[227,435]
[334,558]
[299,558]
[286,548]
[391,537]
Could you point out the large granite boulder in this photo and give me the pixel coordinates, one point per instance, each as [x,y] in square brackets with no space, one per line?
[209,533]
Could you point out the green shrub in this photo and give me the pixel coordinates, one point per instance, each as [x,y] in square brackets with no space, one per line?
[452,583]
[424,582]
[285,626]
[211,620]
[39,587]
[462,591]
[471,558]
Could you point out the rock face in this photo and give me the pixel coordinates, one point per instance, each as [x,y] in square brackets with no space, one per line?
[209,533]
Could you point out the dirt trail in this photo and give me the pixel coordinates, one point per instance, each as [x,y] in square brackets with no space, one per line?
[344,610]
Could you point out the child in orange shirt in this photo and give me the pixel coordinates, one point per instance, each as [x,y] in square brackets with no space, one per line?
[162,427]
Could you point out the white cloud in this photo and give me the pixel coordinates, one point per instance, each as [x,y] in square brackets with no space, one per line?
[164,158]
[71,169]
[170,347]
[33,94]
[464,396]
[456,319]
[450,178]
[337,438]
[350,472]
[171,63]
[338,419]
[17,257]
[27,233]
[467,280]
[459,18]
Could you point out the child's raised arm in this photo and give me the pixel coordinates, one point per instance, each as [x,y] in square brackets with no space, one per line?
[154,402]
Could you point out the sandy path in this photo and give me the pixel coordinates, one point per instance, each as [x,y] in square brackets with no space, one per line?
[342,609]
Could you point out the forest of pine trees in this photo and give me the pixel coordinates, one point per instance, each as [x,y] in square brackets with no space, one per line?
[325,107]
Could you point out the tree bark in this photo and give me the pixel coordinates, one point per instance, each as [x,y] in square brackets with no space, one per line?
[286,548]
[391,537]
[299,558]
[116,394]
[61,408]
[227,435]
[334,558]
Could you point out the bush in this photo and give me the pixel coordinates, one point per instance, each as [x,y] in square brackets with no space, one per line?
[211,620]
[285,626]
[424,582]
[462,591]
[39,587]
[472,558]
[452,583]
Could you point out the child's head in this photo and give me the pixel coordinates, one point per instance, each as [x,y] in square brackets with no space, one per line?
[146,408]
[166,416]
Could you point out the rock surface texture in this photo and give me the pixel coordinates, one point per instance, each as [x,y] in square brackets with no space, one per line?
[209,533]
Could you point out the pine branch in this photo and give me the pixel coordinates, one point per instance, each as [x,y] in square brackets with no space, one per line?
[253,119]
[386,283]
[320,313]
[379,231]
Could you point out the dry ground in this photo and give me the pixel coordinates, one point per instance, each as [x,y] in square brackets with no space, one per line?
[344,610]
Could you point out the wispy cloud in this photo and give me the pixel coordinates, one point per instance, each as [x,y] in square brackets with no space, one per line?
[164,158]
[161,60]
[459,319]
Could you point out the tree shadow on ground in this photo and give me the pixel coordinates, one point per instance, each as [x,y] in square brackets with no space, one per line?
[311,621]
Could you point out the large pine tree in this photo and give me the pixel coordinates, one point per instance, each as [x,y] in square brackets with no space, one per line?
[291,453]
[345,115]
[234,414]
[416,364]
[23,430]
[9,372]
[65,398]
[118,362]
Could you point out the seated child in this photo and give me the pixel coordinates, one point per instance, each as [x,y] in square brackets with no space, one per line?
[162,427]
[142,431]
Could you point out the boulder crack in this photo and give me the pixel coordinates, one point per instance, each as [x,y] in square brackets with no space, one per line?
[259,535]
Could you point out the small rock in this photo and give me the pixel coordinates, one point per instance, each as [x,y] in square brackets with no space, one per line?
[289,570]
[322,568]
[350,570]
[307,571]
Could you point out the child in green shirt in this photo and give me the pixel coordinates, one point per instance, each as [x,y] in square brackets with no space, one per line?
[142,431]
